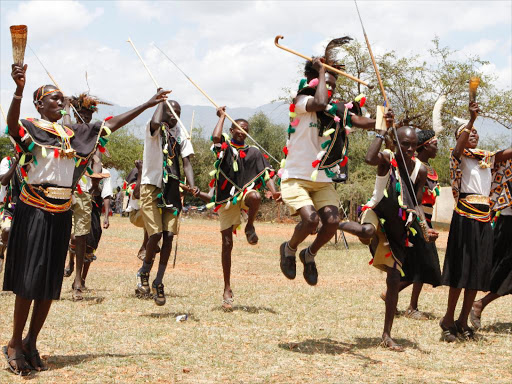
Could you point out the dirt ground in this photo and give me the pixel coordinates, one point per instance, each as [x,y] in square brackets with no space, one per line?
[280,331]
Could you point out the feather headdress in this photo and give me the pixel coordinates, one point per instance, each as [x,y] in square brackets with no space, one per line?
[85,101]
[332,51]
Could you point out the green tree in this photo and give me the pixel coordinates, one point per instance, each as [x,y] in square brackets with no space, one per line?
[124,148]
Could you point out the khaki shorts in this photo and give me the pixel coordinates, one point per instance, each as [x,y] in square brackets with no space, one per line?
[82,210]
[298,193]
[156,220]
[136,218]
[231,217]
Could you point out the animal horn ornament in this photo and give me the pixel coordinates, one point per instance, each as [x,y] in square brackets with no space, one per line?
[216,105]
[182,126]
[329,67]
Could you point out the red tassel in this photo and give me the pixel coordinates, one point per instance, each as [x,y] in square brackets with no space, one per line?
[364,208]
[292,107]
[125,184]
[217,208]
[315,163]
[108,118]
[258,186]
[393,163]
[102,149]
[83,162]
[79,189]
[212,183]
[329,93]
[265,156]
[344,162]
[388,254]
[370,262]
[56,153]
[8,158]
[404,217]
[406,242]
[18,149]
[23,172]
[271,174]
[285,150]
[224,145]
[242,154]
[362,102]
[21,131]
[224,184]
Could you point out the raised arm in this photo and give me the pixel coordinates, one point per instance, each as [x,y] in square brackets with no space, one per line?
[13,115]
[156,120]
[217,131]
[504,155]
[462,141]
[321,99]
[121,120]
[374,156]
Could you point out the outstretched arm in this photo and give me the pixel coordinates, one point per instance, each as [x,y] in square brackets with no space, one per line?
[121,120]
[217,131]
[504,155]
[362,122]
[374,156]
[13,115]
[462,141]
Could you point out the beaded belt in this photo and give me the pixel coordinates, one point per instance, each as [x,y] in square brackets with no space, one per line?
[30,197]
[466,208]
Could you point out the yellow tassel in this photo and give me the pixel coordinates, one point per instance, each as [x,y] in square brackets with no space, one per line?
[239,228]
[328,132]
[402,273]
[84,179]
[385,192]
[314,175]
[160,209]
[43,152]
[413,231]
[283,163]
[212,173]
[267,176]
[382,221]
[107,130]
[169,162]
[22,159]
[235,166]
[210,205]
[77,163]
[400,202]
[293,115]
[166,151]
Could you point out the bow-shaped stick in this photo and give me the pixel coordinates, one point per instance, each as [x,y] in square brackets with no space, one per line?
[54,82]
[184,130]
[332,69]
[216,105]
[381,85]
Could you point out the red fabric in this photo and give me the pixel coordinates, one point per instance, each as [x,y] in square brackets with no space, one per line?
[108,118]
[55,153]
[224,184]
[212,183]
[344,162]
[18,149]
[292,107]
[217,208]
[315,163]
[79,189]
[428,198]
[224,145]
[242,154]
[285,150]
[102,149]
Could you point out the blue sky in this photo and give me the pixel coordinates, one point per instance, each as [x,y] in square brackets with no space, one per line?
[227,47]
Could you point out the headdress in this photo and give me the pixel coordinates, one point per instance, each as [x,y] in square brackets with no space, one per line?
[331,51]
[86,101]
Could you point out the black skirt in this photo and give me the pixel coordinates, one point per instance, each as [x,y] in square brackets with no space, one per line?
[36,252]
[94,236]
[468,260]
[501,277]
[422,263]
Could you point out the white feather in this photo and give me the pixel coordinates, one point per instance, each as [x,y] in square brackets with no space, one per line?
[437,123]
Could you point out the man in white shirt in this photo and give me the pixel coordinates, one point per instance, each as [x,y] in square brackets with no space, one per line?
[312,195]
[160,198]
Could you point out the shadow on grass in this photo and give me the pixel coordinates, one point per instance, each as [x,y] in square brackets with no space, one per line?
[372,342]
[61,361]
[88,299]
[190,316]
[429,315]
[498,328]
[326,346]
[248,309]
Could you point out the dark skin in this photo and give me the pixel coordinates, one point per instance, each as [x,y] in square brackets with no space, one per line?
[49,109]
[407,140]
[163,115]
[329,216]
[252,200]
[5,180]
[469,139]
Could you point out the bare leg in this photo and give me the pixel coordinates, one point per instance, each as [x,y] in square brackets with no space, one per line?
[71,263]
[478,306]
[85,271]
[227,247]
[165,252]
[363,231]
[469,298]
[416,290]
[144,242]
[253,201]
[39,314]
[449,317]
[393,285]
[330,221]
[151,247]
[307,225]
[15,346]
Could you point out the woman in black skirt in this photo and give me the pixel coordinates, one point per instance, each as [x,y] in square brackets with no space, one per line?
[479,186]
[41,224]
[501,277]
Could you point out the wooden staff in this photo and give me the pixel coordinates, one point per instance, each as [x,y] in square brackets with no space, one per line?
[332,69]
[217,106]
[156,84]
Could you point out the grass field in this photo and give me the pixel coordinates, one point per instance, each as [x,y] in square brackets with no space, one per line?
[281,331]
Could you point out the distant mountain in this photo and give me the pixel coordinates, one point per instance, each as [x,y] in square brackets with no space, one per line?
[204,116]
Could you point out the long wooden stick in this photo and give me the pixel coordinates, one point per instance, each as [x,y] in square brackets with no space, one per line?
[217,106]
[182,126]
[3,113]
[276,42]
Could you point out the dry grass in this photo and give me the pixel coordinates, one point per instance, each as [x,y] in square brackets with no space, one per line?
[280,332]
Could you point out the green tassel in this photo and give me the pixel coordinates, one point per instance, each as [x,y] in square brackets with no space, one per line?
[35,160]
[291,130]
[326,144]
[89,171]
[333,109]
[397,187]
[6,130]
[302,83]
[175,213]
[31,146]
[329,173]
[103,141]
[348,120]
[159,195]
[63,112]
[216,164]
[235,199]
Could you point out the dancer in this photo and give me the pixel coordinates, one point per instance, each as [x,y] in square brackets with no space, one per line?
[501,276]
[393,215]
[479,184]
[160,194]
[239,172]
[41,225]
[316,137]
[133,209]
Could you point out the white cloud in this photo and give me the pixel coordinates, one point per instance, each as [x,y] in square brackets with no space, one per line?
[143,10]
[51,19]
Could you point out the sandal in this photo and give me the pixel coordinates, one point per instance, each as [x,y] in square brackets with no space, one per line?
[475,320]
[142,254]
[34,354]
[449,334]
[415,314]
[25,371]
[466,334]
[389,343]
[68,271]
[77,293]
[227,304]
[252,237]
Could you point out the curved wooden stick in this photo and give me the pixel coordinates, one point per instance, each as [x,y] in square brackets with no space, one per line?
[182,126]
[332,69]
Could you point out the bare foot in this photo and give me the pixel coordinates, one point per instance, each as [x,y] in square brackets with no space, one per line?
[250,233]
[227,300]
[389,343]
